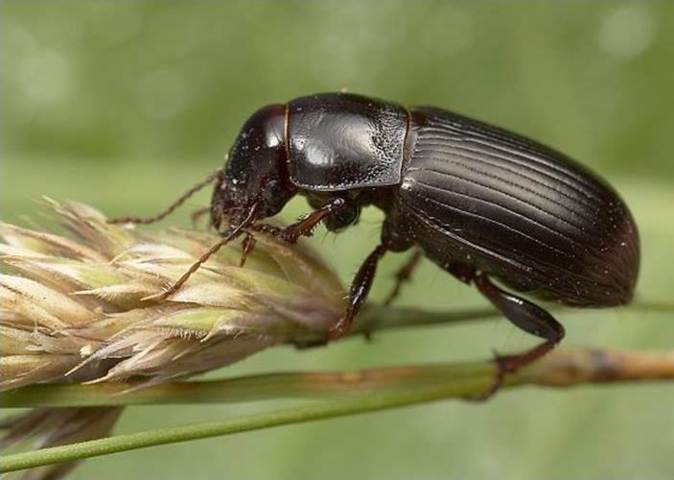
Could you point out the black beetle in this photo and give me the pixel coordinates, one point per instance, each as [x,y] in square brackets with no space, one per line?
[479,201]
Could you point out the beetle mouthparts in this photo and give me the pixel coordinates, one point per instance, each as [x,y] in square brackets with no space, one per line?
[241,218]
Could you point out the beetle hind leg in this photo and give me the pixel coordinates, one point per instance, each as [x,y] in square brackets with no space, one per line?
[522,313]
[525,315]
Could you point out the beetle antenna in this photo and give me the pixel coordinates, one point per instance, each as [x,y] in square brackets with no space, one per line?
[179,201]
[228,237]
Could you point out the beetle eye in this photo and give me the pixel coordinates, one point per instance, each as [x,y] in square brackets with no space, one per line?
[272,191]
[346,216]
[342,218]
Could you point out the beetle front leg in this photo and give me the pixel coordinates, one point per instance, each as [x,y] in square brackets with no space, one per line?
[360,287]
[306,225]
[292,233]
[303,227]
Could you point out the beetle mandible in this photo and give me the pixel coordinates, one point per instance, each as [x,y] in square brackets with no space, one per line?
[481,202]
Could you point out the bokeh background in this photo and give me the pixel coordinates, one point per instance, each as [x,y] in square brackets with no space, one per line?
[125,104]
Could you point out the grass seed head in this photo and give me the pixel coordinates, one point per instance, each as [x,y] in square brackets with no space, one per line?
[73,307]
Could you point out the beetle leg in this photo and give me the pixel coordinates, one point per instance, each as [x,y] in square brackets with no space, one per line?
[306,225]
[528,317]
[179,201]
[404,274]
[291,233]
[247,247]
[196,215]
[524,314]
[360,287]
[303,227]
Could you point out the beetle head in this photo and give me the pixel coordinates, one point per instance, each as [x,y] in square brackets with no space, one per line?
[255,177]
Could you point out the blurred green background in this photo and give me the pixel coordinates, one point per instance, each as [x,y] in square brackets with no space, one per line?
[125,104]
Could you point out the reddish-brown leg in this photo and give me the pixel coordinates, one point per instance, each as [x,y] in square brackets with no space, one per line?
[360,287]
[305,226]
[179,201]
[404,274]
[247,247]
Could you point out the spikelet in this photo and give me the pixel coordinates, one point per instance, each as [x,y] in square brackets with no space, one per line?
[73,307]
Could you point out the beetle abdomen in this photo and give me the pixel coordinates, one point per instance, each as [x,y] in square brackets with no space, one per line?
[518,210]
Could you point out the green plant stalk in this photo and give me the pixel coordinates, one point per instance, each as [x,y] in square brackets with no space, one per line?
[301,414]
[376,317]
[371,390]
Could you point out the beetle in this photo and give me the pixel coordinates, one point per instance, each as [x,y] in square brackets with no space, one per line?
[481,202]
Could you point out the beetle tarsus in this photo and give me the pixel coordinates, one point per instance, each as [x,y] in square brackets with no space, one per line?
[509,364]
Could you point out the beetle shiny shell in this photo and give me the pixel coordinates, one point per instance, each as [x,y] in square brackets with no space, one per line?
[481,202]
